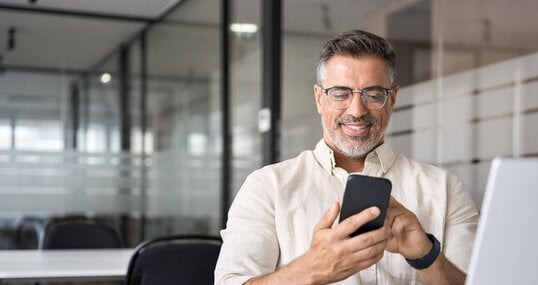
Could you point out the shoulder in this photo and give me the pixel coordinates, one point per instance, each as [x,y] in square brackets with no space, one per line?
[406,164]
[425,176]
[263,185]
[272,181]
[286,169]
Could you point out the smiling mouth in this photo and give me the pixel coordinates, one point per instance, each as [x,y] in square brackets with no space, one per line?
[356,130]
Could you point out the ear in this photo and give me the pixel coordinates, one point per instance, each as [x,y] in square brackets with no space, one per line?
[318,92]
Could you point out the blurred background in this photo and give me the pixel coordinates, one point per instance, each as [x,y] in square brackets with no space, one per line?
[115,108]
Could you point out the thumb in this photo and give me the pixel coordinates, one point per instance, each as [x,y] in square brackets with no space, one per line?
[328,218]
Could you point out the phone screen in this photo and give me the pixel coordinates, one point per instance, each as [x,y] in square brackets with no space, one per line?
[363,192]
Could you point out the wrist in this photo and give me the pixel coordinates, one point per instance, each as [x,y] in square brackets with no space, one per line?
[428,259]
[300,273]
[292,273]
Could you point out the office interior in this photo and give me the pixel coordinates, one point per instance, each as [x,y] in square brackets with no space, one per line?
[151,113]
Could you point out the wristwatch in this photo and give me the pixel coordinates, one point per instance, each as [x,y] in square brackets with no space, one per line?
[428,259]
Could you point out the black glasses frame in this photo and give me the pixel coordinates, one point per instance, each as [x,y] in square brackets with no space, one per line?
[388,92]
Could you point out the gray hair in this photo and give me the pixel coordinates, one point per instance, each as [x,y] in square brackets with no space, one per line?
[357,44]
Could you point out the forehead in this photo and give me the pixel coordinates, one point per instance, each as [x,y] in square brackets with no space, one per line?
[367,70]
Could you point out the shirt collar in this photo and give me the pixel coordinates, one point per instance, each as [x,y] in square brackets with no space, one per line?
[325,156]
[382,155]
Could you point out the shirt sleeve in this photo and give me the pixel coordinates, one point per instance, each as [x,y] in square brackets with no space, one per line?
[461,224]
[250,246]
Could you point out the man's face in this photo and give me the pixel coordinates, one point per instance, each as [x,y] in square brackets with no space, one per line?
[354,131]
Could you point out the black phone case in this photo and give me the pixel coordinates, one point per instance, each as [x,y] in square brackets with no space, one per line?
[363,192]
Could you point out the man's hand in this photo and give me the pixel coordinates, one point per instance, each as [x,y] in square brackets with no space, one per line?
[333,255]
[408,238]
[406,234]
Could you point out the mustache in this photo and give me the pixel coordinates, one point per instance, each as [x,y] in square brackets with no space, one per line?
[366,119]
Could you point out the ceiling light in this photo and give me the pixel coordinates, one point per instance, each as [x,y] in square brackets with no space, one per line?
[105,78]
[244,28]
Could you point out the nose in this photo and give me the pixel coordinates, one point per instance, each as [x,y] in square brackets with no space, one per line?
[356,108]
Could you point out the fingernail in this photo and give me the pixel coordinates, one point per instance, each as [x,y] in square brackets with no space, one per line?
[374,210]
[333,207]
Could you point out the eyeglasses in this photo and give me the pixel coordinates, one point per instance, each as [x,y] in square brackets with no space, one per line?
[373,98]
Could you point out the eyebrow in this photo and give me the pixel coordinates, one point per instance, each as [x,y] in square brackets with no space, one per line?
[347,87]
[340,86]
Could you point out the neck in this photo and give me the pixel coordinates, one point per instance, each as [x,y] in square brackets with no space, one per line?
[348,163]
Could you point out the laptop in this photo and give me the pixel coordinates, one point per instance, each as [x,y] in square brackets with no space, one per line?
[506,245]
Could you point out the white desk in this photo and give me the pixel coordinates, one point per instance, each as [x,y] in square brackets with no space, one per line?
[105,264]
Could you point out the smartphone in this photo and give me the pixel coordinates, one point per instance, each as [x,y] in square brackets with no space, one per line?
[363,192]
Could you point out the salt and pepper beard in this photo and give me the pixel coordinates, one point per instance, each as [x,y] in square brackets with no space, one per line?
[355,147]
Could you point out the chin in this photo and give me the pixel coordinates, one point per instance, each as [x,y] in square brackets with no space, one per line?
[353,148]
[356,147]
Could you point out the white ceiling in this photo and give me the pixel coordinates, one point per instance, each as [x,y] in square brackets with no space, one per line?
[72,42]
[78,42]
[140,8]
[60,42]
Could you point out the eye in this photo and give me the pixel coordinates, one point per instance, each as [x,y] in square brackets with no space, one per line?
[375,97]
[339,94]
[375,93]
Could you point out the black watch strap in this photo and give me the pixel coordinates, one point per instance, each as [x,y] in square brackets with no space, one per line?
[428,259]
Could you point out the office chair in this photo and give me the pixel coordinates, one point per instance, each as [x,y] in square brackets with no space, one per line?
[28,232]
[80,233]
[172,260]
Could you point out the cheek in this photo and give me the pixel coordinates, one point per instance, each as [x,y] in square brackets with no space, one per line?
[327,119]
[383,119]
[329,116]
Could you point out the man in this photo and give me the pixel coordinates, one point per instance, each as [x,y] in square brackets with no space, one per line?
[282,226]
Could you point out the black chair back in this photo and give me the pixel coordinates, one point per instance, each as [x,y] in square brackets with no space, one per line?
[173,260]
[80,234]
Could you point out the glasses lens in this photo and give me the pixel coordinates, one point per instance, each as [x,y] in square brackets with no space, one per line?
[340,97]
[374,98]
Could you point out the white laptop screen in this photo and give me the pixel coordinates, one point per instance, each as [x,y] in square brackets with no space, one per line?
[506,246]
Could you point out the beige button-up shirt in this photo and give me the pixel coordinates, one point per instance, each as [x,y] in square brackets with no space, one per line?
[272,218]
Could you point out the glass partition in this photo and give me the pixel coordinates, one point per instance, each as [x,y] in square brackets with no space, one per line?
[183,122]
[106,138]
[245,88]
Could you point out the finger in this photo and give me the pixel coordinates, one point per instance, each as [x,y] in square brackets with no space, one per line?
[327,220]
[370,251]
[395,209]
[394,203]
[398,225]
[352,223]
[389,217]
[370,255]
[379,236]
[406,222]
[369,262]
[399,218]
